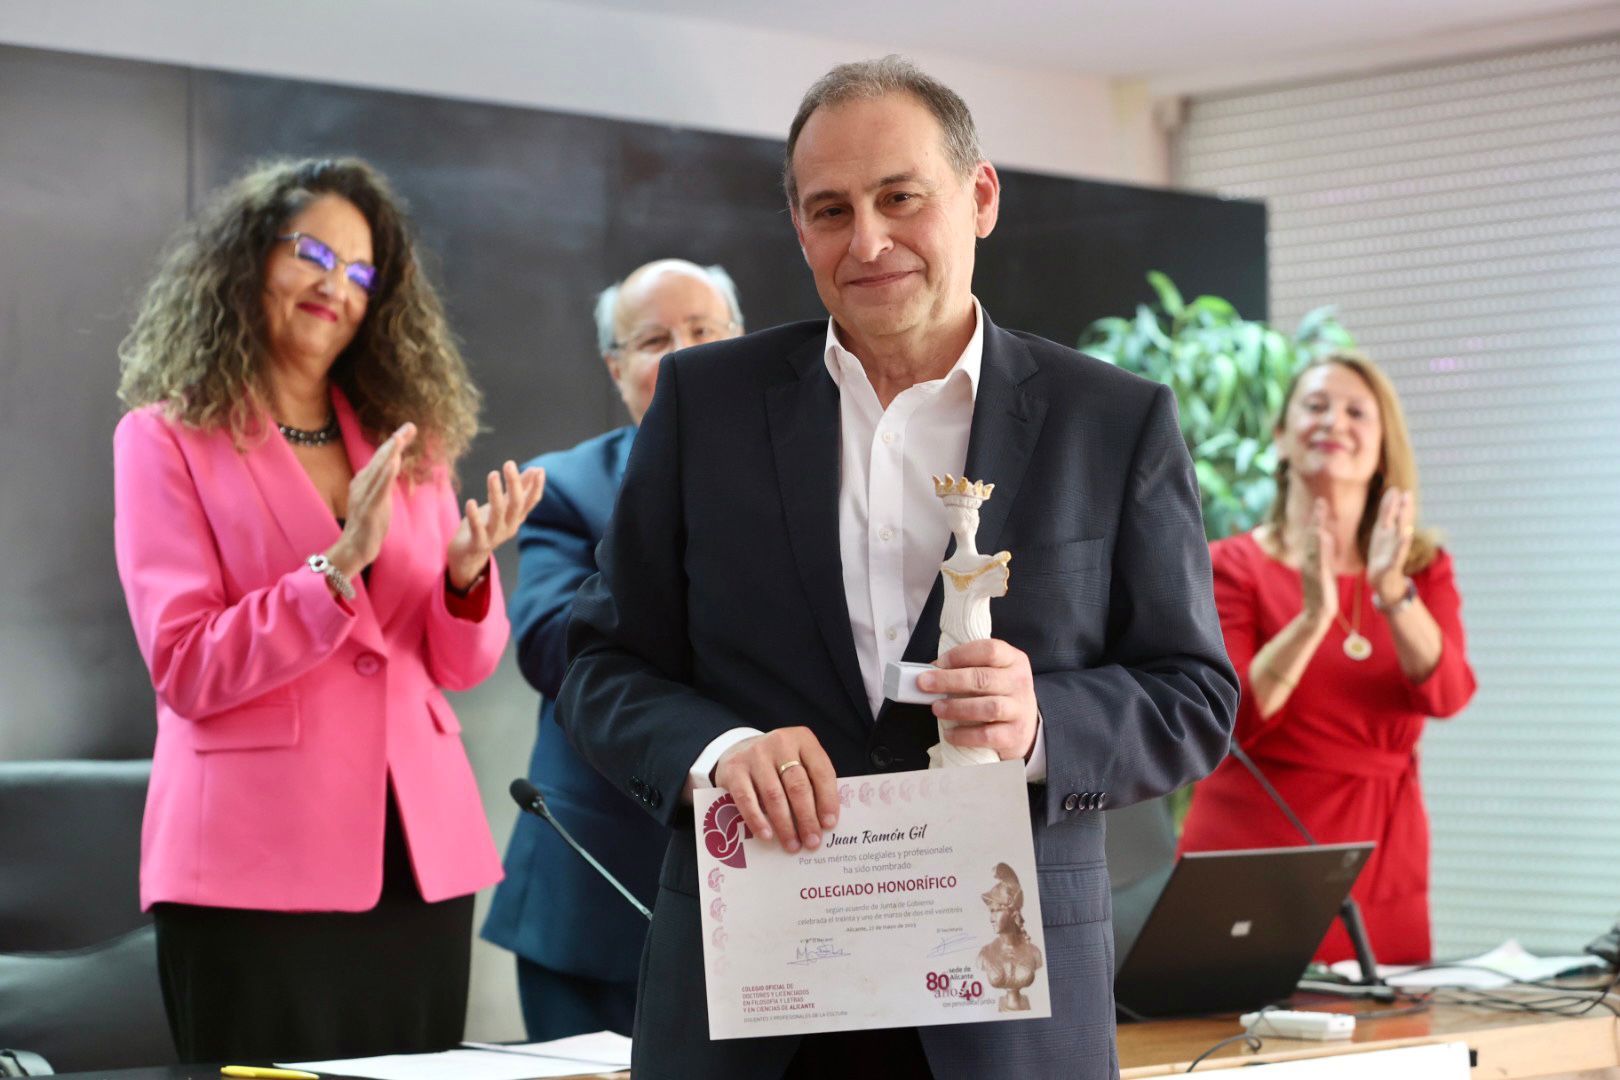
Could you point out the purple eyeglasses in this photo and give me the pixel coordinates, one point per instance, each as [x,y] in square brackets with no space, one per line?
[309,249]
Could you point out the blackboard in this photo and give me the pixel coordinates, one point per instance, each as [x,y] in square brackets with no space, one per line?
[526,214]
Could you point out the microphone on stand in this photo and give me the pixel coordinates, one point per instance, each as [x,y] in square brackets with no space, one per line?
[529,800]
[1349,910]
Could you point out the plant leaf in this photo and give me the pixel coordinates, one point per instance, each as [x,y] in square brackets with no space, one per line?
[1243,457]
[1219,309]
[1169,295]
[1311,325]
[1229,375]
[1226,381]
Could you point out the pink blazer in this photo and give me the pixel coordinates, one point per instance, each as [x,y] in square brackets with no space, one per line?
[282,712]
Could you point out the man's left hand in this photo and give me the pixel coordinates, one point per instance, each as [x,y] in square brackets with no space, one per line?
[992,697]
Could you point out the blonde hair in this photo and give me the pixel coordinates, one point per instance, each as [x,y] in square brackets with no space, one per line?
[1397,465]
[198,344]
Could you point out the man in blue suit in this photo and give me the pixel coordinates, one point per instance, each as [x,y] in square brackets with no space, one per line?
[778,541]
[577,942]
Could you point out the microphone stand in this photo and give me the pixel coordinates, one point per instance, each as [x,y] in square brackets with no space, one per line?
[1349,910]
[530,801]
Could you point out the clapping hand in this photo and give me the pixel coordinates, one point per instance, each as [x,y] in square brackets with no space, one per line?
[1390,544]
[371,505]
[484,528]
[1316,566]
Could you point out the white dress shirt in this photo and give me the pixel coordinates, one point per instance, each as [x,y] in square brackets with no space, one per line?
[892,530]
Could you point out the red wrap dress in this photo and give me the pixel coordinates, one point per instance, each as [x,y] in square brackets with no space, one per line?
[1343,749]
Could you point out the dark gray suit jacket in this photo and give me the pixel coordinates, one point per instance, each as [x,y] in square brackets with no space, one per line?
[720,603]
[552,907]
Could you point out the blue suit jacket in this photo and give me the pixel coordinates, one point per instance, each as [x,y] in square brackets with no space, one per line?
[720,602]
[552,908]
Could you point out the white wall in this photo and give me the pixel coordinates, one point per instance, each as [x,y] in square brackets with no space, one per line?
[678,70]
[1374,55]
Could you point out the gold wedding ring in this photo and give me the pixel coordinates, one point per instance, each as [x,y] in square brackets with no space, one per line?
[786,765]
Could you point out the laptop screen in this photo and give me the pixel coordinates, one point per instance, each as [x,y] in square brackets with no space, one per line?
[1233,930]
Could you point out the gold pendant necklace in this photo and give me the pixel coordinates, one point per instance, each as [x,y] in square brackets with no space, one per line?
[1356,647]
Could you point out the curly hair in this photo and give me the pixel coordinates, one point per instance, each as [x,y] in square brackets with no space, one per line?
[199,344]
[1397,465]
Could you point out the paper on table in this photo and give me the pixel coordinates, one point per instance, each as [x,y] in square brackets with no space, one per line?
[1442,1061]
[1508,963]
[454,1065]
[606,1048]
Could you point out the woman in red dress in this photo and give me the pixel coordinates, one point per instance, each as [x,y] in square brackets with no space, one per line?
[1342,620]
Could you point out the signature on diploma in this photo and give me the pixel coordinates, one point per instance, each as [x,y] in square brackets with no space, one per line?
[812,949]
[953,943]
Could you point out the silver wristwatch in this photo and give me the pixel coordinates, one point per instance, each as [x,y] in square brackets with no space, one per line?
[339,580]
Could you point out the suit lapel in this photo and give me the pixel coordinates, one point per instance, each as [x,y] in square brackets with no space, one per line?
[803,417]
[295,506]
[804,426]
[1006,426]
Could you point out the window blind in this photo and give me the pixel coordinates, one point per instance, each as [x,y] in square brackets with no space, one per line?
[1465,220]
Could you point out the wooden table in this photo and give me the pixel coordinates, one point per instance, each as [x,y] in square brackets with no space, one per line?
[1505,1044]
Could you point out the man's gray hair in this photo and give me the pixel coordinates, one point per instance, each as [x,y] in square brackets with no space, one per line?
[864,80]
[607,301]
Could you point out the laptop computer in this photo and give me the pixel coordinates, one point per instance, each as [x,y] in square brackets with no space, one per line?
[1231,930]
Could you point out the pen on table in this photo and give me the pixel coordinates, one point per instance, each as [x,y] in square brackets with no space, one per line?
[253,1072]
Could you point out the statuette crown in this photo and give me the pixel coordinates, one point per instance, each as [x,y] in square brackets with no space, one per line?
[960,491]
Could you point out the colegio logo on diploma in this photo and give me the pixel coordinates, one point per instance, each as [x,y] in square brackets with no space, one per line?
[724,832]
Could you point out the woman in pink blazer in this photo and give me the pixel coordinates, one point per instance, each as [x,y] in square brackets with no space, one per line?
[304,587]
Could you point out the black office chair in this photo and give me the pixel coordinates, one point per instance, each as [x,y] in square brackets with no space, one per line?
[78,958]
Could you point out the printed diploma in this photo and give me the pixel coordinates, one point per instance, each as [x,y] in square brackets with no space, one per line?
[921,907]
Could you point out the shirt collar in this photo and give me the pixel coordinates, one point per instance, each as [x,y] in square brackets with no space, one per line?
[968,365]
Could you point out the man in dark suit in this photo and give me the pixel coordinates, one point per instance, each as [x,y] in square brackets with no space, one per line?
[777,541]
[577,942]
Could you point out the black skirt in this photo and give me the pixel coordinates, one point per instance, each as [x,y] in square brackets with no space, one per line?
[259,986]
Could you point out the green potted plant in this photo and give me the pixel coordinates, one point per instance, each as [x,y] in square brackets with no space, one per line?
[1229,375]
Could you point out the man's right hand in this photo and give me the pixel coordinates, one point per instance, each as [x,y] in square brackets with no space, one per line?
[793,801]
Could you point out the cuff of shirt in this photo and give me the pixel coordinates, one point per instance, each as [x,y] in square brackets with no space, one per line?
[1035,767]
[698,775]
[471,605]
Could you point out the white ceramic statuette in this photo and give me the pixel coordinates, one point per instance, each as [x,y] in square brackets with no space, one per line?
[970,582]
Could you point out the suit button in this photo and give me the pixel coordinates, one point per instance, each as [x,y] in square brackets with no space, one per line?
[1071,802]
[1101,795]
[882,757]
[368,664]
[636,786]
[653,798]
